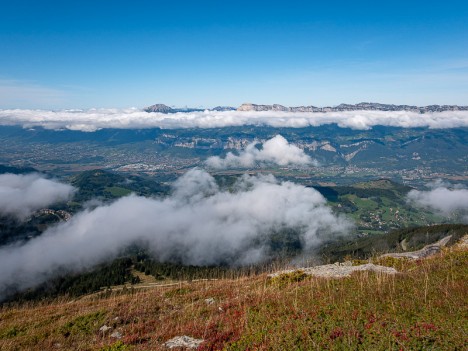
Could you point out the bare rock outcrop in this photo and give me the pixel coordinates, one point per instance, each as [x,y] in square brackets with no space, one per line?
[337,270]
[183,341]
[426,251]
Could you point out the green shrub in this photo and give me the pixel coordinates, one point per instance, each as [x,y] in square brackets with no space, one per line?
[86,324]
[289,278]
[118,346]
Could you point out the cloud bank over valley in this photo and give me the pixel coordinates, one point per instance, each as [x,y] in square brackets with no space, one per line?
[276,150]
[442,198]
[21,195]
[94,119]
[198,224]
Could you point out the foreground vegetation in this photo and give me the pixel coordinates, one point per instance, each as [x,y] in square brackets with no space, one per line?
[137,265]
[423,308]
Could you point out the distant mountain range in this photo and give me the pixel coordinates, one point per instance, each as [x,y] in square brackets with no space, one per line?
[161,108]
[362,106]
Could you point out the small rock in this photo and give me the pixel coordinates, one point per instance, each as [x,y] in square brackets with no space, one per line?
[104,328]
[183,341]
[116,335]
[210,301]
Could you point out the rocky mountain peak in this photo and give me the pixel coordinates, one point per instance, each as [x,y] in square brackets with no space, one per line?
[161,108]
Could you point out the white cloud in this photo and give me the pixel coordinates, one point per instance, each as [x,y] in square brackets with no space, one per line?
[276,150]
[94,119]
[21,195]
[441,198]
[198,224]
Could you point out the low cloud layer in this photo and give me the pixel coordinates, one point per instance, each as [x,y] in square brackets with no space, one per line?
[276,150]
[94,119]
[21,195]
[198,224]
[441,198]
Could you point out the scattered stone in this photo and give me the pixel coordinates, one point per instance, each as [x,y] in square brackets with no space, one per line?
[337,270]
[210,301]
[344,269]
[104,328]
[426,251]
[183,341]
[116,335]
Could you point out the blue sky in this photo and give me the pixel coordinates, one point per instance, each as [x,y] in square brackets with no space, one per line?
[81,54]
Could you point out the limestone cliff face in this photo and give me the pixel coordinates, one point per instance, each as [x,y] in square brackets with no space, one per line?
[363,106]
[277,107]
[254,107]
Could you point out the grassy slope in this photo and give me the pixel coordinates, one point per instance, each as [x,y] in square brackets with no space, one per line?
[423,308]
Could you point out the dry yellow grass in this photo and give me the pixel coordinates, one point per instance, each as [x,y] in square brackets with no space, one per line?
[425,307]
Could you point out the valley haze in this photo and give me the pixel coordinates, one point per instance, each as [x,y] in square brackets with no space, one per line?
[198,224]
